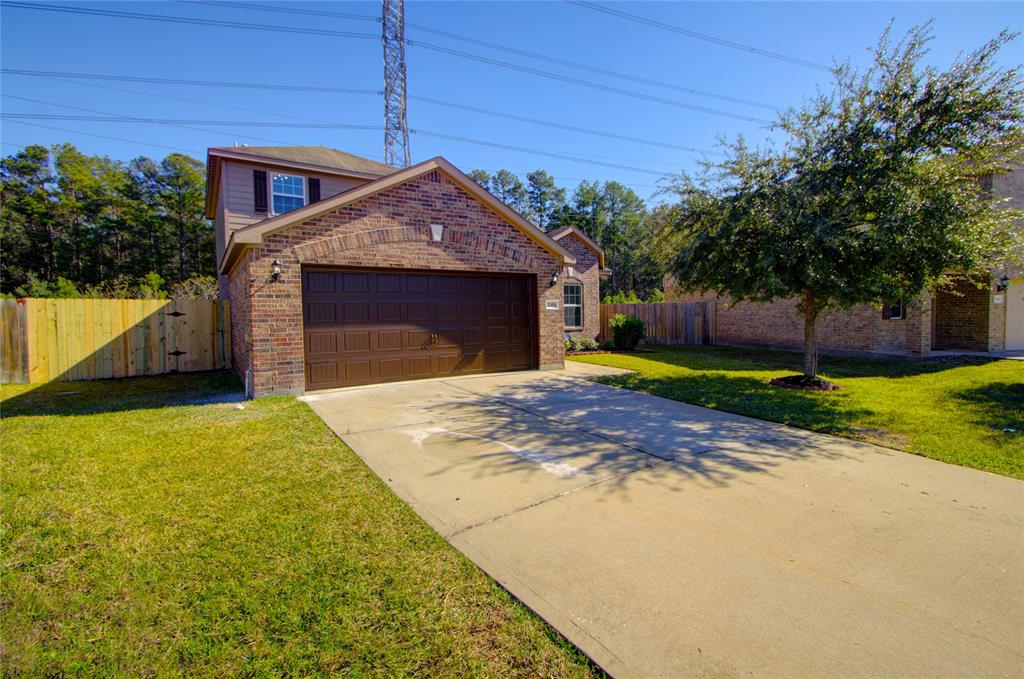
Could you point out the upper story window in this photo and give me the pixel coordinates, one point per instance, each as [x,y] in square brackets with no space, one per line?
[572,305]
[287,192]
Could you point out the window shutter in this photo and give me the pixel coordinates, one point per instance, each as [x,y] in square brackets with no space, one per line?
[259,190]
[314,190]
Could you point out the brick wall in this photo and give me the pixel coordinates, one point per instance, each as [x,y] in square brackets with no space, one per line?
[587,272]
[388,229]
[962,316]
[860,329]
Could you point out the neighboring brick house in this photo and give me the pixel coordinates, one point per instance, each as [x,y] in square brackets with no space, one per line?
[985,314]
[343,271]
[581,285]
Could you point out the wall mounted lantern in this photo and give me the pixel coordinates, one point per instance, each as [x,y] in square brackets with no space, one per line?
[436,231]
[1003,283]
[554,279]
[275,270]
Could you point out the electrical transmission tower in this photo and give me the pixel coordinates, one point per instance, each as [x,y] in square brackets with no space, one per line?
[396,127]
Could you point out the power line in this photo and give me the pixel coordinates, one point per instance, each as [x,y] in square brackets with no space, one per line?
[699,36]
[496,46]
[104,136]
[429,46]
[587,83]
[111,118]
[163,18]
[202,83]
[331,90]
[184,124]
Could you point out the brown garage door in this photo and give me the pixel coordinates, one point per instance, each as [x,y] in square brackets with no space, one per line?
[362,327]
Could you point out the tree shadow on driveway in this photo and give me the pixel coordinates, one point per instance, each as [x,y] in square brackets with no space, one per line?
[527,429]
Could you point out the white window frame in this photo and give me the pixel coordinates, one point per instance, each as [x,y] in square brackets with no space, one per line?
[270,189]
[572,306]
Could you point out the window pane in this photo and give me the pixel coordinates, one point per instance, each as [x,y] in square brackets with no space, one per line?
[284,204]
[573,294]
[289,185]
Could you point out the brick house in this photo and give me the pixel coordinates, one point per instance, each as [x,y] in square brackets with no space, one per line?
[343,271]
[980,314]
[582,284]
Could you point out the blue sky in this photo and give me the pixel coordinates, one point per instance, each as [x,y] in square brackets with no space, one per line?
[812,32]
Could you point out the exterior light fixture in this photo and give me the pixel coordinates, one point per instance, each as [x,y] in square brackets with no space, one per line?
[554,279]
[436,230]
[569,271]
[275,270]
[1003,283]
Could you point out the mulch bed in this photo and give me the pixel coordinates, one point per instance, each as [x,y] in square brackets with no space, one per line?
[610,351]
[804,383]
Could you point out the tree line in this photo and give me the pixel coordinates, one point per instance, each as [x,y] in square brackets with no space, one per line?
[610,213]
[75,224]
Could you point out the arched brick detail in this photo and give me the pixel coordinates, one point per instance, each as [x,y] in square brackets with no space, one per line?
[323,249]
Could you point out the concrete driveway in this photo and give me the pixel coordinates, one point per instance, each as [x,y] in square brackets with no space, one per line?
[665,539]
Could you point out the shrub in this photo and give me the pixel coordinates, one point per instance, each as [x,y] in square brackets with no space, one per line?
[608,345]
[627,331]
[621,297]
[587,344]
[571,344]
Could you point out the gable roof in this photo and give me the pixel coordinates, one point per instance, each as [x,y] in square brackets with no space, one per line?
[252,235]
[560,233]
[311,155]
[316,159]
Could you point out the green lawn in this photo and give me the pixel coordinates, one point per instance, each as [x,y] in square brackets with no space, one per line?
[954,410]
[149,530]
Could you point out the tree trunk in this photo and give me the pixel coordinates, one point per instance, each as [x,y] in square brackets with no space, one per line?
[810,312]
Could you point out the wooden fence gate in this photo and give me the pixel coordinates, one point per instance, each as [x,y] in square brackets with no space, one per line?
[669,322]
[85,339]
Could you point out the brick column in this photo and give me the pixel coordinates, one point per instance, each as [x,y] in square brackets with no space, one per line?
[919,326]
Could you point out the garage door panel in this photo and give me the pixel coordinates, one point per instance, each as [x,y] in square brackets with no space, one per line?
[355,282]
[388,283]
[357,371]
[418,367]
[447,285]
[322,342]
[421,312]
[355,312]
[417,339]
[389,368]
[448,311]
[363,327]
[323,375]
[417,285]
[389,340]
[357,341]
[389,312]
[321,312]
[322,281]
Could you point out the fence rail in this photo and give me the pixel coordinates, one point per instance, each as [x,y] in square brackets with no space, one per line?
[83,339]
[669,322]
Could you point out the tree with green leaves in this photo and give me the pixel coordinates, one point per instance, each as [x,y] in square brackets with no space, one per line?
[874,195]
[544,197]
[73,224]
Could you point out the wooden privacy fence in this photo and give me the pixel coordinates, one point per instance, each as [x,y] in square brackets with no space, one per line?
[84,339]
[667,323]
